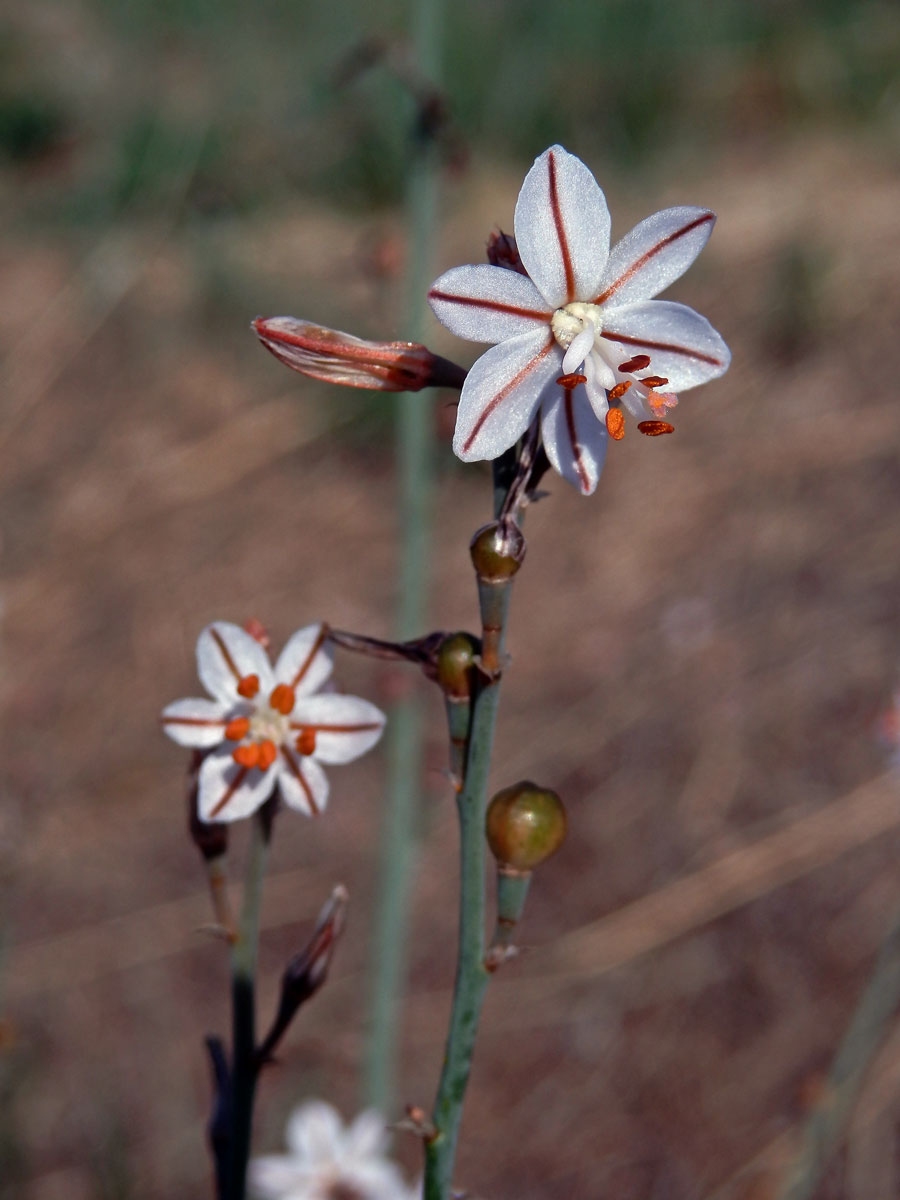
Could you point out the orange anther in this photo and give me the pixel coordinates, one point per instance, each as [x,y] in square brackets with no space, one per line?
[306,741]
[655,428]
[267,754]
[572,380]
[653,381]
[615,424]
[237,729]
[282,698]
[617,392]
[246,755]
[638,363]
[248,686]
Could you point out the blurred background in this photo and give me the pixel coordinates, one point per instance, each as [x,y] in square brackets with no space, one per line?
[701,652]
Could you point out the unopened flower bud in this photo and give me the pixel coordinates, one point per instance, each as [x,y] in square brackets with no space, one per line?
[525,825]
[498,550]
[455,660]
[339,357]
[308,970]
[502,251]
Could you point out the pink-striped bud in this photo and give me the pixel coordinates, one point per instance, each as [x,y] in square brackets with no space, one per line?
[502,251]
[341,358]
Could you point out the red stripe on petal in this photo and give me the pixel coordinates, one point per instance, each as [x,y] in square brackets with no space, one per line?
[627,340]
[316,647]
[491,407]
[192,721]
[651,253]
[336,728]
[576,446]
[229,793]
[226,654]
[560,229]
[492,305]
[294,768]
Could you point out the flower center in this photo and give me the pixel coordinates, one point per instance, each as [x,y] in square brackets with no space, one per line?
[567,323]
[268,723]
[266,727]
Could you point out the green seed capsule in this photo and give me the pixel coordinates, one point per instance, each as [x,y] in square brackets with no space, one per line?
[455,660]
[525,824]
[497,551]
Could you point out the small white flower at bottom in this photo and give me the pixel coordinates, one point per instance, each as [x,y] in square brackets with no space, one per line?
[268,726]
[327,1160]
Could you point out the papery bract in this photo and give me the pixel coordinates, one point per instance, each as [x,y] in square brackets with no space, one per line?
[577,335]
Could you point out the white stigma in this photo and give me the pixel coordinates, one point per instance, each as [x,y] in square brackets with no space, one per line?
[576,329]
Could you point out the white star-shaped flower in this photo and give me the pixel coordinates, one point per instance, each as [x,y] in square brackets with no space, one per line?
[328,1161]
[271,726]
[578,337]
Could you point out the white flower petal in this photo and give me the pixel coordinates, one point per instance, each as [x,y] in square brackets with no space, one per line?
[345,726]
[683,346]
[654,254]
[366,1137]
[303,784]
[229,792]
[196,723]
[574,439]
[225,654]
[501,394]
[562,228]
[314,1133]
[487,304]
[376,1179]
[276,1176]
[306,661]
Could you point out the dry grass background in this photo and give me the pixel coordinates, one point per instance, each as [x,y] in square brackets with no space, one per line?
[700,653]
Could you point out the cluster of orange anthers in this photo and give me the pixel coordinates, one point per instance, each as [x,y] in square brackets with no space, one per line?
[658,401]
[255,754]
[263,753]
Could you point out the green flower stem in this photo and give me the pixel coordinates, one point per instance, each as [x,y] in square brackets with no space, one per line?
[494,603]
[459,715]
[512,892]
[471,973]
[865,1034]
[243,974]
